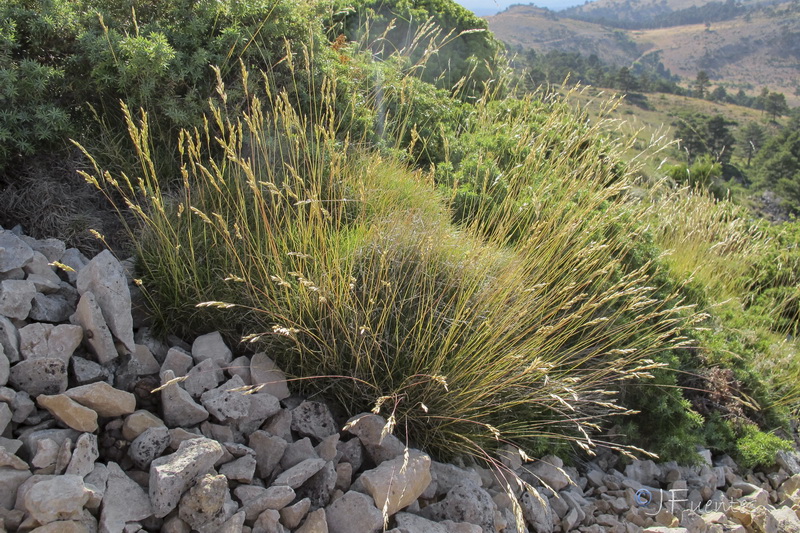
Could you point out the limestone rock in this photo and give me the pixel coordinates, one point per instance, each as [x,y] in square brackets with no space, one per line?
[264,372]
[645,472]
[297,452]
[16,298]
[63,526]
[52,249]
[351,452]
[84,455]
[10,480]
[39,266]
[227,402]
[5,368]
[97,336]
[411,523]
[31,438]
[9,339]
[14,252]
[315,523]
[84,371]
[292,515]
[104,276]
[171,475]
[256,500]
[50,308]
[327,448]
[144,337]
[202,506]
[150,444]
[537,511]
[396,483]
[5,416]
[56,498]
[205,376]
[63,457]
[104,399]
[369,429]
[234,524]
[240,367]
[262,407]
[448,476]
[179,407]
[269,522]
[353,512]
[319,487]
[69,412]
[269,451]
[241,469]
[466,502]
[9,459]
[47,340]
[123,501]
[44,284]
[46,455]
[43,375]
[211,346]
[74,259]
[137,422]
[299,474]
[96,482]
[313,419]
[789,461]
[178,361]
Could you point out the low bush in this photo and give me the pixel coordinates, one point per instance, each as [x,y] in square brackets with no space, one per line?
[758,449]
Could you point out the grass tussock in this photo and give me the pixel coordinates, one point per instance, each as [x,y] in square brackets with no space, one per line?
[713,242]
[515,324]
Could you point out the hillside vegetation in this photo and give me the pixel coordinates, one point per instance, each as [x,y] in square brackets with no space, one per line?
[750,50]
[482,264]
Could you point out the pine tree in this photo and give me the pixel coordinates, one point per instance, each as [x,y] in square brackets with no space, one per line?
[701,84]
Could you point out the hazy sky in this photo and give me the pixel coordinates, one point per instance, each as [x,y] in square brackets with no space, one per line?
[490,7]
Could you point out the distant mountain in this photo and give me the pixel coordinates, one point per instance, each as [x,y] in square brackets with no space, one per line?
[642,14]
[757,48]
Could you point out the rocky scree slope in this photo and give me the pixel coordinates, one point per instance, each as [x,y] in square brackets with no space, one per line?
[106,428]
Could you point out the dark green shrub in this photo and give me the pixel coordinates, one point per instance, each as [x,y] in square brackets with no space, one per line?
[758,449]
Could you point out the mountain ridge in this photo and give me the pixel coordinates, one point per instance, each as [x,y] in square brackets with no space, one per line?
[748,52]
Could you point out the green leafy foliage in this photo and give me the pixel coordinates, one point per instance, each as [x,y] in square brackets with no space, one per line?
[756,448]
[58,58]
[446,43]
[778,164]
[701,134]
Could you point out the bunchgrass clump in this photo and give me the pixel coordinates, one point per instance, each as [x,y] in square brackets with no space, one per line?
[711,241]
[515,325]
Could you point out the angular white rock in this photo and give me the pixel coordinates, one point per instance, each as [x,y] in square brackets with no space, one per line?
[14,252]
[354,512]
[179,407]
[48,340]
[56,498]
[397,483]
[97,336]
[16,298]
[124,501]
[105,278]
[211,346]
[84,455]
[173,474]
[104,399]
[264,372]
